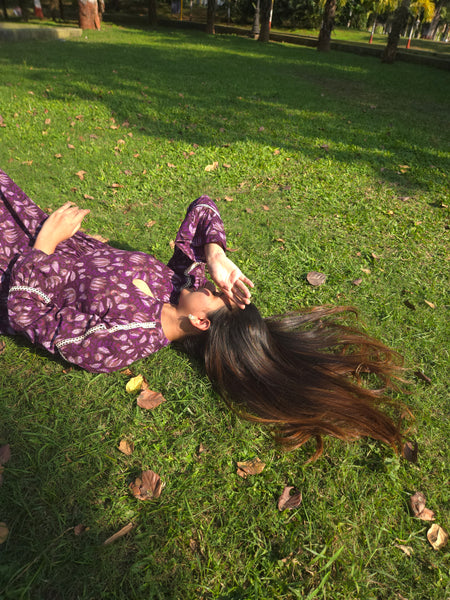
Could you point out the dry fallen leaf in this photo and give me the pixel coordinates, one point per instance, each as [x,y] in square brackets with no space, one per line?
[81,174]
[150,223]
[366,271]
[134,384]
[79,529]
[212,167]
[265,207]
[430,304]
[287,501]
[119,534]
[126,447]
[409,305]
[4,532]
[5,453]
[357,281]
[71,146]
[406,549]
[2,346]
[437,536]
[146,487]
[228,198]
[419,510]
[148,399]
[410,450]
[315,278]
[58,155]
[87,197]
[99,237]
[250,467]
[422,376]
[172,244]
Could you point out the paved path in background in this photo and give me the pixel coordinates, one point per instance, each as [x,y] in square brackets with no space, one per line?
[19,32]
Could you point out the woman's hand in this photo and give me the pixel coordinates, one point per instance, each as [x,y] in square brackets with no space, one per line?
[60,225]
[227,276]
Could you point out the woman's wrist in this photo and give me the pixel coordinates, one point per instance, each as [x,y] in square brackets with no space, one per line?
[213,250]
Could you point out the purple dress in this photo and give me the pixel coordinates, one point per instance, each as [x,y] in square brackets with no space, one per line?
[80,301]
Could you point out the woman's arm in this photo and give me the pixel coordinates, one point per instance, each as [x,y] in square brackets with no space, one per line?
[227,276]
[60,225]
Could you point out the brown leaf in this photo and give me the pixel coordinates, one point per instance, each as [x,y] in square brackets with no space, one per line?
[261,129]
[228,198]
[126,447]
[99,238]
[406,549]
[2,346]
[366,271]
[172,244]
[249,210]
[71,146]
[265,207]
[5,454]
[116,185]
[148,399]
[315,278]
[276,151]
[430,304]
[147,486]
[58,155]
[119,534]
[79,529]
[357,281]
[437,536]
[212,167]
[81,174]
[126,371]
[172,166]
[419,510]
[250,467]
[287,501]
[226,166]
[409,305]
[4,532]
[422,376]
[87,197]
[47,121]
[150,223]
[325,147]
[410,450]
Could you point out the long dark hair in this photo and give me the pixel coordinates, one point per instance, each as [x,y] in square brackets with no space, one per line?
[307,372]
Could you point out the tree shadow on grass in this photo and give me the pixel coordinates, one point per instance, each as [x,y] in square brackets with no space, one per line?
[184,86]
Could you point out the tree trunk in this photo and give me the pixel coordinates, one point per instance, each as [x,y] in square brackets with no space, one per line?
[88,16]
[5,12]
[323,43]
[264,33]
[400,19]
[431,27]
[210,16]
[152,12]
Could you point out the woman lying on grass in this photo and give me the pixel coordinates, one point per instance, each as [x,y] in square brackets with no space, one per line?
[102,308]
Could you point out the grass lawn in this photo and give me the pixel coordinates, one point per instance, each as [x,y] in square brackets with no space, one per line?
[327,162]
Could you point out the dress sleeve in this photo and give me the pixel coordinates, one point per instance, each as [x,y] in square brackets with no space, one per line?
[40,306]
[202,225]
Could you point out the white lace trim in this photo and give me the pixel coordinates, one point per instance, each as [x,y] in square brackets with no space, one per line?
[25,288]
[210,207]
[102,327]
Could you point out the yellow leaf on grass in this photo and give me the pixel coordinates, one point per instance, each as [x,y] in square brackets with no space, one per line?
[250,467]
[135,384]
[212,167]
[437,536]
[125,447]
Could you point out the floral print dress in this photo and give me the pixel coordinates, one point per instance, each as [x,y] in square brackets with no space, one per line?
[81,301]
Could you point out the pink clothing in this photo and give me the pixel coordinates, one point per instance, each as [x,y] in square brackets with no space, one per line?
[81,301]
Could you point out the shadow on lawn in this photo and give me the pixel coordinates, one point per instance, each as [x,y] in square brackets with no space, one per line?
[339,107]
